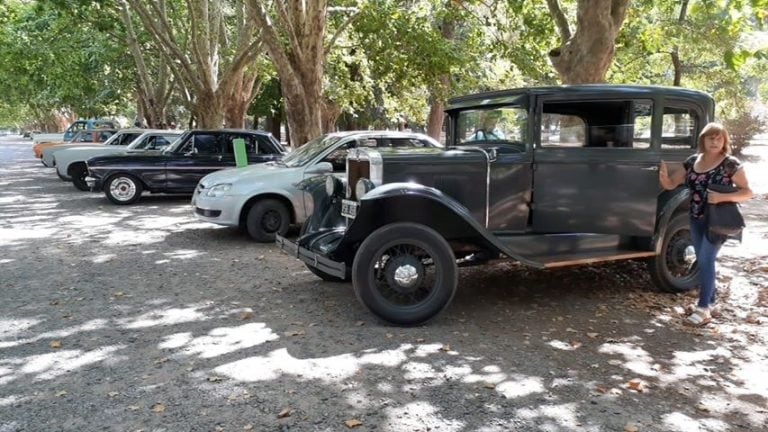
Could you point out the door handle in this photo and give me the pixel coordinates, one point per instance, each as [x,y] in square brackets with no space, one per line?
[652,168]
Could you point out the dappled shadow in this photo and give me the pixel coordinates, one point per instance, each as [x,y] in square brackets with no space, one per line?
[178,326]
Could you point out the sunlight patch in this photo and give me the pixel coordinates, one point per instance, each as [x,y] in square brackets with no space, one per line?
[9,235]
[327,369]
[221,340]
[418,416]
[126,237]
[563,415]
[12,327]
[679,422]
[52,365]
[164,317]
[519,386]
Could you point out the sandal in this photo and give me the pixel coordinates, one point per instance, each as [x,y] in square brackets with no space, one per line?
[699,318]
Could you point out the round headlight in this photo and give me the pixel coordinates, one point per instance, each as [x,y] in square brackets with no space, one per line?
[362,187]
[332,185]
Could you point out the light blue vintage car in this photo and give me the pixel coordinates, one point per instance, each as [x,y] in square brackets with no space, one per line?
[265,198]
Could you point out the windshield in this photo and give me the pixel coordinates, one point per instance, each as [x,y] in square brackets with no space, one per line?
[302,155]
[503,125]
[178,143]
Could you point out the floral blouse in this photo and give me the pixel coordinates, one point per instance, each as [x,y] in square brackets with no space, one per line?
[697,182]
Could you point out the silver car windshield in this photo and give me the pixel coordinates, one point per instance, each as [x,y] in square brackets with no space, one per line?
[302,155]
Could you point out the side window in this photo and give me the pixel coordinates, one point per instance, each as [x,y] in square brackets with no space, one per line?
[338,157]
[206,144]
[265,146]
[678,128]
[505,124]
[622,124]
[403,142]
[103,136]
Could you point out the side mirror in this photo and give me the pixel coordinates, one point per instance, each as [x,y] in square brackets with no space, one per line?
[320,168]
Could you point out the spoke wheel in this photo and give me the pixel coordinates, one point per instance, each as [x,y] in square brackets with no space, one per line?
[123,189]
[405,273]
[675,269]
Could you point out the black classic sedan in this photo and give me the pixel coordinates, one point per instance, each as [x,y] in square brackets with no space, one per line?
[177,169]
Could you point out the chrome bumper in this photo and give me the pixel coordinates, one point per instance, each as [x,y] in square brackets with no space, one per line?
[333,268]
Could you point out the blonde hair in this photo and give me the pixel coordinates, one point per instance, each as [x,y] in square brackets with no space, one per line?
[715,129]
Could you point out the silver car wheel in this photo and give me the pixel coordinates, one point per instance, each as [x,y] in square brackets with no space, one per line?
[122,188]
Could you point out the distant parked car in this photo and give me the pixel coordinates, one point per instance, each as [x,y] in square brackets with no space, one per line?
[177,169]
[120,139]
[265,198]
[86,136]
[70,163]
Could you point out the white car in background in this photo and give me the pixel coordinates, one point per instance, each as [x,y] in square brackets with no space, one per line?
[265,198]
[120,138]
[70,163]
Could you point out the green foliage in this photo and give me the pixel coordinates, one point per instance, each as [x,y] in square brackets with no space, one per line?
[60,61]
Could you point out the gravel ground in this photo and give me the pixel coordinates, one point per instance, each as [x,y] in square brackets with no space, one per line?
[142,319]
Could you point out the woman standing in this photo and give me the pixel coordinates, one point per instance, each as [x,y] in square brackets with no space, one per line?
[712,164]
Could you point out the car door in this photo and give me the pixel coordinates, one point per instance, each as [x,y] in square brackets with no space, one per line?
[595,168]
[203,153]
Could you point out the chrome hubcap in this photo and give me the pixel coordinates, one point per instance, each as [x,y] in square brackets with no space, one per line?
[689,255]
[122,188]
[406,275]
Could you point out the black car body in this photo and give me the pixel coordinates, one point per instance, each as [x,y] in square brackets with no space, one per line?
[178,168]
[548,177]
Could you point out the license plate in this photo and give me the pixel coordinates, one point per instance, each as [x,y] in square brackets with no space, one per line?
[349,208]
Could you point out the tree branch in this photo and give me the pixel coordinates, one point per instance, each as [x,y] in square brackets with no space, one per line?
[560,20]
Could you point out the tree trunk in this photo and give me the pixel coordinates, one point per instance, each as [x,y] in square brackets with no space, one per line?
[294,41]
[675,54]
[586,56]
[208,111]
[438,95]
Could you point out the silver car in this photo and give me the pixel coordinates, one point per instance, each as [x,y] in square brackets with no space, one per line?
[265,199]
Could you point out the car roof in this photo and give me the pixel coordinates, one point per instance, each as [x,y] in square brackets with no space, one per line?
[510,95]
[251,131]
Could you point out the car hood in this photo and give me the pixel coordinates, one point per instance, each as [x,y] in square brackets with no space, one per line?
[251,174]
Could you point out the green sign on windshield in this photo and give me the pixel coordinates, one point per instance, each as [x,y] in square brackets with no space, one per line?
[241,157]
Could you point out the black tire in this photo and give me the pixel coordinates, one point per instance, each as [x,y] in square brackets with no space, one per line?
[123,189]
[266,218]
[79,172]
[317,272]
[423,261]
[674,270]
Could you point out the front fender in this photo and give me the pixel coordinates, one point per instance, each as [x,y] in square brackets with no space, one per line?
[409,202]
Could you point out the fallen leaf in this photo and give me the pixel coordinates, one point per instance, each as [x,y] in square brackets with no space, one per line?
[248,427]
[246,315]
[119,294]
[701,407]
[61,393]
[113,394]
[575,344]
[593,335]
[53,302]
[55,344]
[215,378]
[630,427]
[419,340]
[158,407]
[133,407]
[360,323]
[295,333]
[601,390]
[637,385]
[285,413]
[353,423]
[389,335]
[753,318]
[489,386]
[571,330]
[161,361]
[615,362]
[445,348]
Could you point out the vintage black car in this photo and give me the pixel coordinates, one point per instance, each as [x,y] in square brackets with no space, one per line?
[177,169]
[548,177]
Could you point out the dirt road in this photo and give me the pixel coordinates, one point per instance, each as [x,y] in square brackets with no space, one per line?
[141,318]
